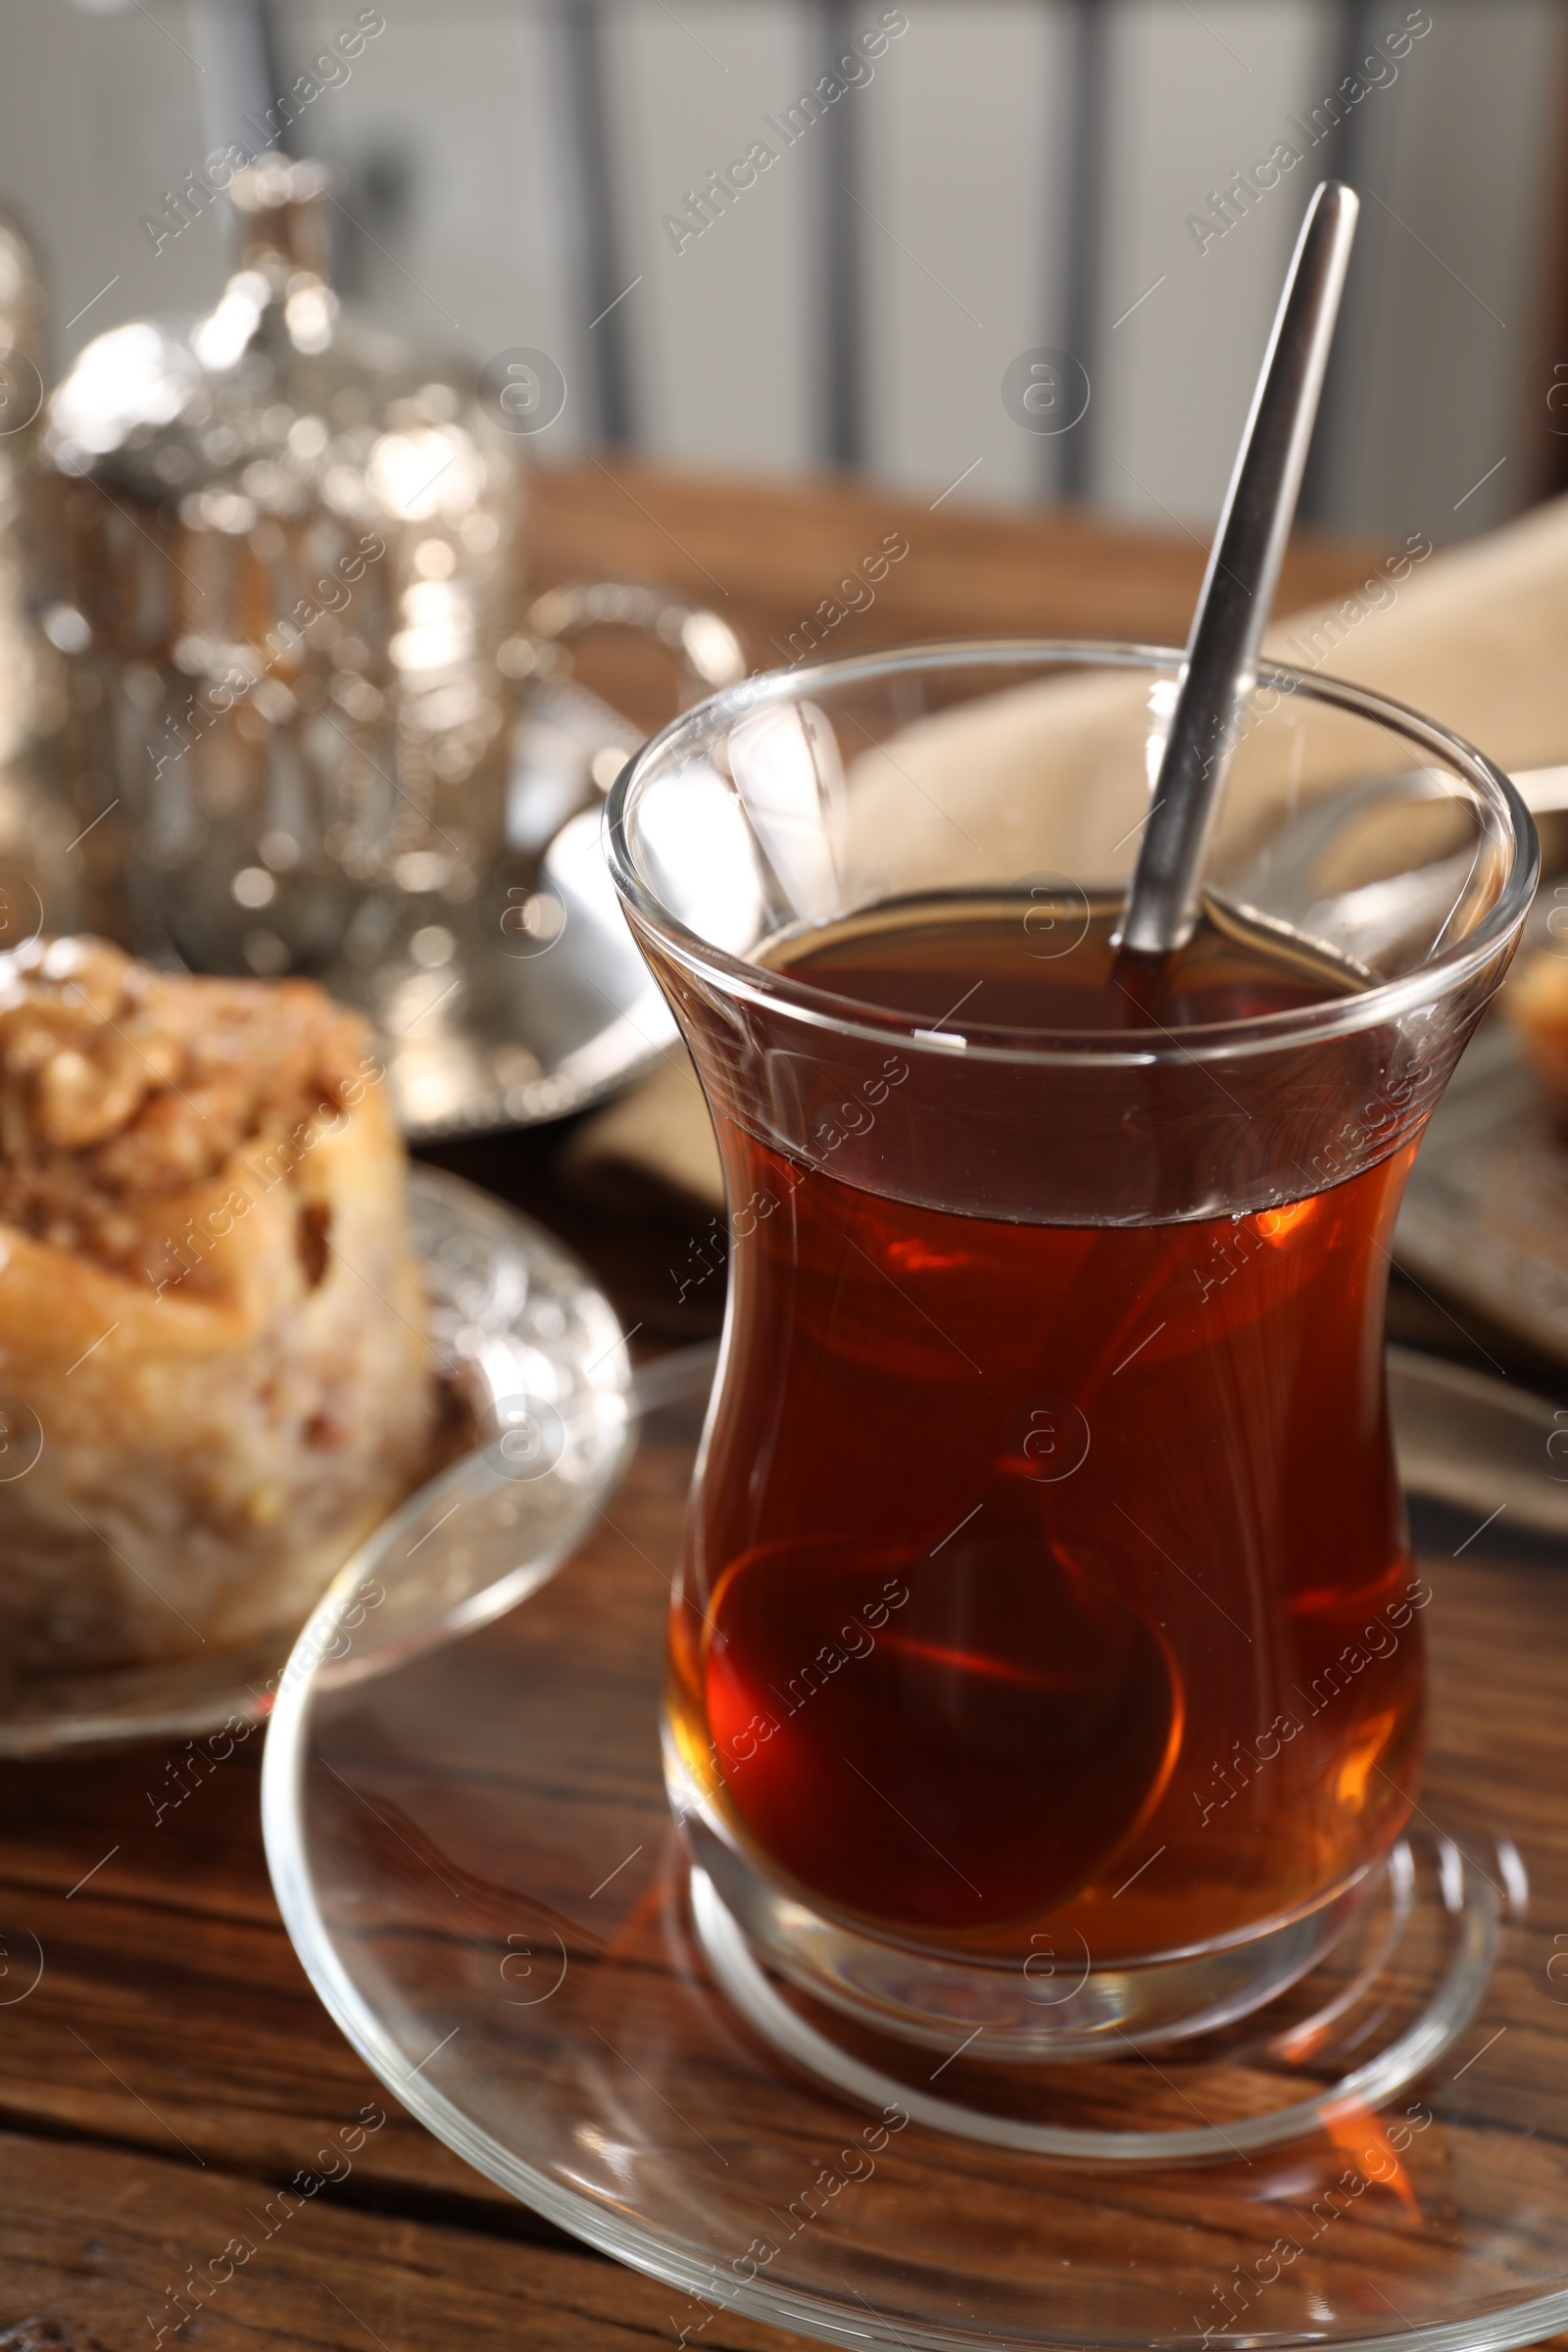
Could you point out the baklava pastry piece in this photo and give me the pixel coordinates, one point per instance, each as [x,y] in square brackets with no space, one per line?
[213,1365]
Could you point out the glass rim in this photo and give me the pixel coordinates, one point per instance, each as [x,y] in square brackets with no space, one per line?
[818,1007]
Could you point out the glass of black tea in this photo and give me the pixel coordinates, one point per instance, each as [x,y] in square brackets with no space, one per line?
[1046,1588]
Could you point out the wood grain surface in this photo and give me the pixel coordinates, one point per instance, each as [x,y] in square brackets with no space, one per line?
[769,557]
[171,2067]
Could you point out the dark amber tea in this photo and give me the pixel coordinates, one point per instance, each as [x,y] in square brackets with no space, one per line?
[1051,1577]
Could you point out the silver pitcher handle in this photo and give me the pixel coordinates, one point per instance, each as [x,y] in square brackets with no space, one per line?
[705,652]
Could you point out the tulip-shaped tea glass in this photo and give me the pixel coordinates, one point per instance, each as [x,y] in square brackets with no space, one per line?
[1046,1658]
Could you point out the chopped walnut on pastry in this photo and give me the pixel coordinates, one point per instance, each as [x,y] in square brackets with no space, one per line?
[209,1314]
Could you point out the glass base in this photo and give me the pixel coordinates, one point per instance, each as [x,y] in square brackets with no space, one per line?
[1056,2006]
[1389,1993]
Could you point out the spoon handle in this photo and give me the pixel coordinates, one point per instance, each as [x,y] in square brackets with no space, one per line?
[1244,570]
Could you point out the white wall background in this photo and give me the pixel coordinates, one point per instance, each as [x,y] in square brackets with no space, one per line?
[975,208]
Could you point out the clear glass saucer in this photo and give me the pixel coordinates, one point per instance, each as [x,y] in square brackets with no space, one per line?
[473,1856]
[515,1318]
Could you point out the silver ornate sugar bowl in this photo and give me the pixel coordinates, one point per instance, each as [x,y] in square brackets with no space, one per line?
[293,549]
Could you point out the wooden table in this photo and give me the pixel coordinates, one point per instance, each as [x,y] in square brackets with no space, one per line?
[171,2067]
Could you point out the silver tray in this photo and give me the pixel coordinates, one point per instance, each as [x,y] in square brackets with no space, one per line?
[545,1006]
[1485,1214]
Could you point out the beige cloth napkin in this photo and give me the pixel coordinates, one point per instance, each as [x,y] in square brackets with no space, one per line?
[1476,637]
